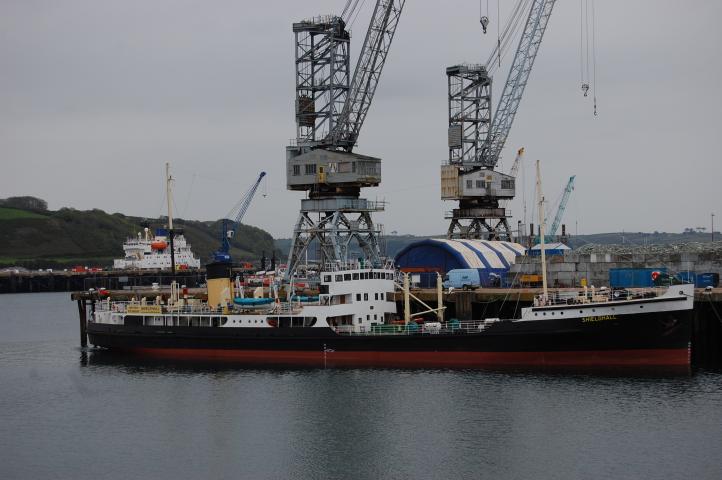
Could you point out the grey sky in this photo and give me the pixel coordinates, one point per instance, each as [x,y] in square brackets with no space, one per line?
[96,95]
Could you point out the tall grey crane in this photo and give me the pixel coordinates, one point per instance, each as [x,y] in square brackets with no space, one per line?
[331,106]
[476,137]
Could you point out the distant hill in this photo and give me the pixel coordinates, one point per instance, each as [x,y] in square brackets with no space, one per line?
[33,237]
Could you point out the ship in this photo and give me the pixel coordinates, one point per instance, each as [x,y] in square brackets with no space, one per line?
[150,252]
[166,250]
[354,322]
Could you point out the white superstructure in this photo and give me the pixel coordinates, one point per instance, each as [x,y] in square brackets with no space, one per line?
[145,252]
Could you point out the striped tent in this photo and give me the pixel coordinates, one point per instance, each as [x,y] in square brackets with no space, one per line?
[441,255]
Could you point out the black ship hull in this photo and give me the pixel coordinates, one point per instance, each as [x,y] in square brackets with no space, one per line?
[649,339]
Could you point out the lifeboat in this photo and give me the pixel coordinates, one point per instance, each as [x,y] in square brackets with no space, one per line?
[159,245]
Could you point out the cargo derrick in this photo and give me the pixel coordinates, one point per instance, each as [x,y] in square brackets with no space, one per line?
[331,107]
[476,139]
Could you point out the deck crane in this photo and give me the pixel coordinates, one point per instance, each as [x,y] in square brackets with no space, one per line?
[331,107]
[476,139]
[228,227]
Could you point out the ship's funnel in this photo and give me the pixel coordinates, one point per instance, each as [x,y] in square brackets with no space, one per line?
[220,288]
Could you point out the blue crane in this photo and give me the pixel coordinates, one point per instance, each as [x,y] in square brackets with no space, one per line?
[562,206]
[228,227]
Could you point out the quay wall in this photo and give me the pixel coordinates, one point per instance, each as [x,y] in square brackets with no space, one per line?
[569,269]
[28,282]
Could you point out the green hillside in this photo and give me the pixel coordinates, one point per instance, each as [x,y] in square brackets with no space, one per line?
[37,238]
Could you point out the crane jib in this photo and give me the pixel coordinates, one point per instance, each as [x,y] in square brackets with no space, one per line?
[521,67]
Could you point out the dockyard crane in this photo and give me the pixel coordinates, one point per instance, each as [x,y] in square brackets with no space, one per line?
[331,107]
[229,227]
[562,206]
[476,138]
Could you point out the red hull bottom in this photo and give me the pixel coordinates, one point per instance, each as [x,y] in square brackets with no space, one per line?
[598,358]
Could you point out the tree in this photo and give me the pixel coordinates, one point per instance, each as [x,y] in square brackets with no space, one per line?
[25,203]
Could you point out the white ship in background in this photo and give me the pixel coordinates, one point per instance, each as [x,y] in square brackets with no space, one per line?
[146,252]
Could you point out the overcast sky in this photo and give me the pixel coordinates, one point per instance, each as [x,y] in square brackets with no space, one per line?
[95,96]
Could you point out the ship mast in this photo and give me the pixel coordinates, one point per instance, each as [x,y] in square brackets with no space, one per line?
[540,202]
[169,194]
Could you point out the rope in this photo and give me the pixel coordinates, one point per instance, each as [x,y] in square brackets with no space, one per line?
[357,12]
[594,59]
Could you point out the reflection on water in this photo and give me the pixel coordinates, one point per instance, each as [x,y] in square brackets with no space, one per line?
[136,363]
[70,413]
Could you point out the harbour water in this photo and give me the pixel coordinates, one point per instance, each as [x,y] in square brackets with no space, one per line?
[65,413]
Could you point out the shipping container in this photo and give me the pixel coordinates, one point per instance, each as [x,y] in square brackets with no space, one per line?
[705,280]
[633,277]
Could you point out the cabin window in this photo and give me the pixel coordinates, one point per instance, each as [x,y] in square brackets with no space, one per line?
[479,184]
[469,184]
[375,317]
[355,276]
[297,170]
[368,317]
[366,296]
[507,184]
[327,278]
[376,296]
[347,277]
[310,169]
[381,295]
[358,297]
[339,278]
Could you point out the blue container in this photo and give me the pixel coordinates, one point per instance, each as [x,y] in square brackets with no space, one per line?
[633,277]
[705,280]
[687,277]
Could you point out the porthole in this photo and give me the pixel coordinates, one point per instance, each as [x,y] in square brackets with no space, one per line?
[545,314]
[641,306]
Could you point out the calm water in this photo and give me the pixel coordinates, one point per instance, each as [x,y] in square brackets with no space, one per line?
[66,414]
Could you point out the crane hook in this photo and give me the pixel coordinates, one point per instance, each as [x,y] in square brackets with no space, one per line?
[585,88]
[484,22]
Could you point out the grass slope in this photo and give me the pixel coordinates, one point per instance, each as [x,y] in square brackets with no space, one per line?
[66,237]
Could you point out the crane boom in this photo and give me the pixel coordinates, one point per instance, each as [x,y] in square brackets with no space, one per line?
[515,166]
[228,226]
[526,52]
[366,76]
[562,206]
[514,170]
